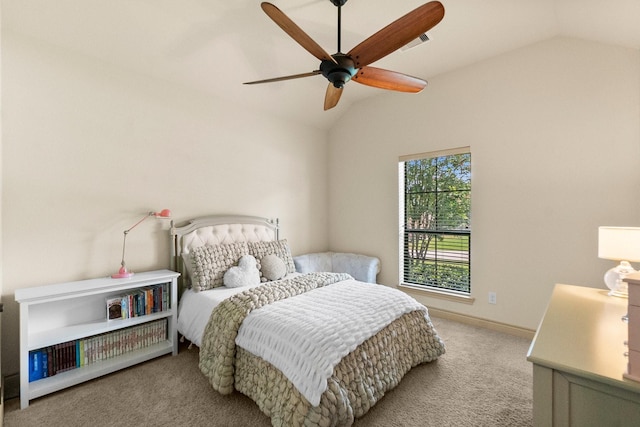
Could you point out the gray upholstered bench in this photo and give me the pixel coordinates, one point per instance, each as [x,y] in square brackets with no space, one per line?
[360,267]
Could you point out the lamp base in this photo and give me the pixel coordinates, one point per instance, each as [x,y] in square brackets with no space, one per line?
[123,273]
[614,279]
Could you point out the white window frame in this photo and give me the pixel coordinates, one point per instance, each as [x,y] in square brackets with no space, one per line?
[432,290]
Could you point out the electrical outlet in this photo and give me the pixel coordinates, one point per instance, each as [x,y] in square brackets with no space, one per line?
[492,297]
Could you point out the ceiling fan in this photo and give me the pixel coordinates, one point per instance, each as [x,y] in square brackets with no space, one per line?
[339,68]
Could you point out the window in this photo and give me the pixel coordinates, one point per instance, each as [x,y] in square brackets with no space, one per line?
[435,207]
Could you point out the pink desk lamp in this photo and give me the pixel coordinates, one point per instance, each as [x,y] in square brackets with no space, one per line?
[123,272]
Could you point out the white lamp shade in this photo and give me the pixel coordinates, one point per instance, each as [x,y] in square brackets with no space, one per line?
[619,243]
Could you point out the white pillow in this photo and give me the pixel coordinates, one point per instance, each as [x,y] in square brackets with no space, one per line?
[272,267]
[245,274]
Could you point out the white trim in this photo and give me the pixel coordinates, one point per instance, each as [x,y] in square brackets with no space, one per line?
[400,222]
[483,323]
[439,153]
[439,293]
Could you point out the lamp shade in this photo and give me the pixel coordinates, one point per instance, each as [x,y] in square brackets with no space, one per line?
[619,243]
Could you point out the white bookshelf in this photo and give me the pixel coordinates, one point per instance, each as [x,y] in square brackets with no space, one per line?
[71,311]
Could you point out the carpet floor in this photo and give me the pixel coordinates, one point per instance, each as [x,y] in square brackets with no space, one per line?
[483,379]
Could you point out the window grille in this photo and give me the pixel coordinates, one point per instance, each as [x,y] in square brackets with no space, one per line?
[436,220]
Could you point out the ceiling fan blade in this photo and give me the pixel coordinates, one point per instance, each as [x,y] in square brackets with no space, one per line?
[278,79]
[397,34]
[391,80]
[295,32]
[332,97]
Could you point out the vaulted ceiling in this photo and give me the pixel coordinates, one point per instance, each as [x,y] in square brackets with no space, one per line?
[213,46]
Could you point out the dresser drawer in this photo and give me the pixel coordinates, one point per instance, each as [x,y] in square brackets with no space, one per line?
[634,293]
[634,328]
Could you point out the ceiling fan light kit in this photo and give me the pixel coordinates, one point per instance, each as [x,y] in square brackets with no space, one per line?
[340,72]
[340,68]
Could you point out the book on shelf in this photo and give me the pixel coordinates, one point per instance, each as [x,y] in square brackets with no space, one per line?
[114,308]
[58,358]
[139,302]
[37,365]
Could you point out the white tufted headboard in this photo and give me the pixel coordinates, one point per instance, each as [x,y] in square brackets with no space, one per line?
[216,230]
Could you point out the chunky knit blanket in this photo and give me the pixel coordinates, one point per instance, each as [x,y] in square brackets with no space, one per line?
[306,336]
[358,381]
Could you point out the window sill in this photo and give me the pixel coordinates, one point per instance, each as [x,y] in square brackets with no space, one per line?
[436,293]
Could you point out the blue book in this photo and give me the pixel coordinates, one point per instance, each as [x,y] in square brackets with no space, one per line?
[35,365]
[44,363]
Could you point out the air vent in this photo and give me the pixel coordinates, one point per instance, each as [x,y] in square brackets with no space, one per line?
[423,38]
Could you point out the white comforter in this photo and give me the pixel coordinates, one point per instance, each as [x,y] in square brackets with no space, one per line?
[195,309]
[307,335]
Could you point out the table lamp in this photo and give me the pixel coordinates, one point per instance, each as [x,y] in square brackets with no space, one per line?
[124,272]
[619,244]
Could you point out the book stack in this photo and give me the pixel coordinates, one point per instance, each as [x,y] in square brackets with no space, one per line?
[52,360]
[148,300]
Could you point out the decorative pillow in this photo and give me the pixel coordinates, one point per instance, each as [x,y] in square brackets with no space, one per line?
[245,274]
[272,267]
[210,262]
[277,247]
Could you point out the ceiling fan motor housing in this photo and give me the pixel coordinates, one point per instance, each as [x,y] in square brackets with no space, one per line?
[340,73]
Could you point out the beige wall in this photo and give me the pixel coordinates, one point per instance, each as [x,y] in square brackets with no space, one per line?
[89,149]
[554,131]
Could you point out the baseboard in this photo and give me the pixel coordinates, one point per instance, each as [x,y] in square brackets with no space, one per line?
[1,401]
[11,386]
[483,323]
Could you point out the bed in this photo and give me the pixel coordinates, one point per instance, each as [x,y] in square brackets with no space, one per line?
[310,349]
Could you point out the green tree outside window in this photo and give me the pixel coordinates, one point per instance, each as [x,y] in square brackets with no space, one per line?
[437,222]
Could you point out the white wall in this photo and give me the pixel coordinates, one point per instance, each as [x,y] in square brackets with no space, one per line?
[89,149]
[554,131]
[2,299]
